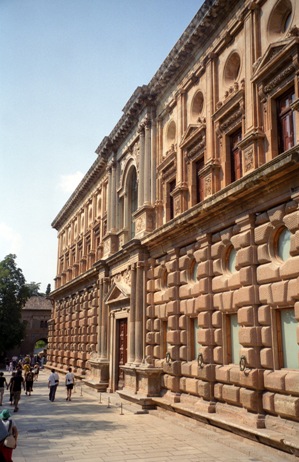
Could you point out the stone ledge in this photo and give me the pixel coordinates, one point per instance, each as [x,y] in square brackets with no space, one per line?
[144,401]
[95,385]
[265,436]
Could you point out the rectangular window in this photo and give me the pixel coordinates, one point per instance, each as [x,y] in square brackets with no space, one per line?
[172,185]
[286,125]
[165,346]
[235,156]
[288,345]
[233,338]
[199,181]
[196,345]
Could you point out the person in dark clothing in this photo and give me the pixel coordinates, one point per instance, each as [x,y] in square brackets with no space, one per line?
[3,384]
[9,387]
[29,382]
[17,383]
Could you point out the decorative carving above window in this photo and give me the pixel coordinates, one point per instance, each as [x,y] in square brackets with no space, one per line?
[229,115]
[172,149]
[168,166]
[194,140]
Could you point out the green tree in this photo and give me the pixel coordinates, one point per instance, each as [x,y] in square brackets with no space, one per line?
[13,295]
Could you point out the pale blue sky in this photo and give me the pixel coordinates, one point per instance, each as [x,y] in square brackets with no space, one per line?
[68,67]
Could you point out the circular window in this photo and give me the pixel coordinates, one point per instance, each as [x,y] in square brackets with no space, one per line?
[284,244]
[197,104]
[280,18]
[231,259]
[232,68]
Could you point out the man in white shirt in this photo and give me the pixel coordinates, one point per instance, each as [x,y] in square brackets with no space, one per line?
[69,383]
[53,382]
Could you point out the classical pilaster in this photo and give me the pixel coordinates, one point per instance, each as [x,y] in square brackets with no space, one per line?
[141,167]
[104,336]
[153,161]
[211,99]
[139,314]
[111,212]
[100,319]
[147,162]
[131,352]
[109,207]
[113,197]
[181,128]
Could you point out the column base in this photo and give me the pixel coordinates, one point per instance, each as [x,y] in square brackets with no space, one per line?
[98,376]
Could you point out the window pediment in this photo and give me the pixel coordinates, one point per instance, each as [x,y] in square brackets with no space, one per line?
[278,64]
[274,50]
[230,113]
[118,292]
[168,165]
[193,131]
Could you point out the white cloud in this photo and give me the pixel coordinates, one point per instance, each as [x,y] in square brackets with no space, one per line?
[10,240]
[68,183]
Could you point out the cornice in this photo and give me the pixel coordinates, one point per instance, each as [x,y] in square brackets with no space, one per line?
[75,200]
[203,26]
[193,39]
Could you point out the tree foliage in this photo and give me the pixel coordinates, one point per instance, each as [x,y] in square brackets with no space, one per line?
[13,295]
[33,288]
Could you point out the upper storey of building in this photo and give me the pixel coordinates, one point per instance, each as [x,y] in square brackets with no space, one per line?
[219,112]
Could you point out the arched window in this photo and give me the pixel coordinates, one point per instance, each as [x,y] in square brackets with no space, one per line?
[232,68]
[280,19]
[197,105]
[132,201]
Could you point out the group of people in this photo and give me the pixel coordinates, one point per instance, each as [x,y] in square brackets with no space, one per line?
[53,382]
[19,362]
[8,429]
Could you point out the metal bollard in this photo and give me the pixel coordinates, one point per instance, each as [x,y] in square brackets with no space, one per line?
[108,402]
[100,402]
[121,409]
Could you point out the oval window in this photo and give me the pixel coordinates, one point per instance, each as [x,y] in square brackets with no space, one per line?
[284,244]
[232,260]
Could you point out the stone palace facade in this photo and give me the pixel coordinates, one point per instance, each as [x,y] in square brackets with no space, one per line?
[178,253]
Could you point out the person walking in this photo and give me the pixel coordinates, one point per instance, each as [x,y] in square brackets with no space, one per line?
[29,382]
[11,430]
[3,383]
[53,382]
[35,372]
[3,435]
[9,387]
[69,383]
[17,383]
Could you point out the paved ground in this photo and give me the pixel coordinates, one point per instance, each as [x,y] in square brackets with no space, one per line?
[91,429]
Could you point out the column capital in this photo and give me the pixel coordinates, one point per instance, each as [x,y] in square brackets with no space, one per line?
[140,129]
